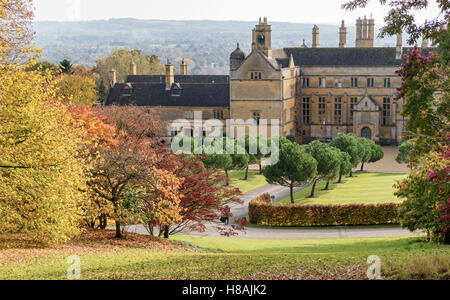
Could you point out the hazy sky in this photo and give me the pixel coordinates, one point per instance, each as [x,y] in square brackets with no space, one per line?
[301,11]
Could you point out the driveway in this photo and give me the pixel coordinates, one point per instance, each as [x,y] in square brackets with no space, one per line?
[240,211]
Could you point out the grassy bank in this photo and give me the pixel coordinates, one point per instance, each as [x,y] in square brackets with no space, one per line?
[365,188]
[225,258]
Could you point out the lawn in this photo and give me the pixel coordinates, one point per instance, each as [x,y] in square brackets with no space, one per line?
[254,180]
[226,258]
[367,188]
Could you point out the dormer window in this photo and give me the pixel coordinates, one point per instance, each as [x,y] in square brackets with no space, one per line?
[256,75]
[176,90]
[127,90]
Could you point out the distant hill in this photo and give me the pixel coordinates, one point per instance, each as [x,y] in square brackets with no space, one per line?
[207,43]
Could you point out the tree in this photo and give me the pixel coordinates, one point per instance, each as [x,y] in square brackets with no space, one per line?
[404,153]
[120,61]
[66,66]
[294,168]
[335,173]
[130,163]
[345,166]
[44,67]
[252,150]
[76,89]
[41,172]
[424,197]
[202,194]
[348,143]
[16,32]
[377,153]
[328,162]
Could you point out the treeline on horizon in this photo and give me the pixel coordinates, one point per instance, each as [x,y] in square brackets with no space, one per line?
[207,44]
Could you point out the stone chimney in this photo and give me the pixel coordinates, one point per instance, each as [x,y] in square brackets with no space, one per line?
[365,33]
[133,68]
[112,77]
[343,36]
[315,34]
[399,47]
[425,42]
[358,29]
[170,76]
[183,68]
[371,36]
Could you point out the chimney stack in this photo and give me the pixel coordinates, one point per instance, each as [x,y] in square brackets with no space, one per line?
[343,36]
[315,33]
[183,68]
[425,40]
[112,77]
[365,33]
[399,47]
[170,76]
[365,29]
[133,68]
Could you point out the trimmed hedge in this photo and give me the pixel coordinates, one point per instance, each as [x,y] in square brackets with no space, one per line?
[262,212]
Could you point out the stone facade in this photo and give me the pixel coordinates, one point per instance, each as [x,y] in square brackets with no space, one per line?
[314,93]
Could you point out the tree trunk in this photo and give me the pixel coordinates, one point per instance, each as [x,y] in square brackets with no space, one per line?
[362,167]
[227,178]
[340,178]
[351,174]
[327,187]
[447,238]
[246,173]
[118,232]
[313,191]
[292,194]
[260,168]
[166,232]
[103,221]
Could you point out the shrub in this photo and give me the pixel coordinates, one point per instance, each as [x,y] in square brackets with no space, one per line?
[262,212]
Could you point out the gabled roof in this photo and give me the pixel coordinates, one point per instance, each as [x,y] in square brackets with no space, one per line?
[351,57]
[182,94]
[370,99]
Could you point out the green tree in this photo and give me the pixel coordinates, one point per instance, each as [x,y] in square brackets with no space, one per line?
[404,152]
[335,173]
[345,166]
[327,162]
[66,66]
[43,67]
[295,167]
[120,61]
[349,143]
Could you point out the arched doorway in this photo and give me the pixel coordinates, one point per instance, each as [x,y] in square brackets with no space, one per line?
[366,133]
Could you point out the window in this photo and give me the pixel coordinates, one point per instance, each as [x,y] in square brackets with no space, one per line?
[305,82]
[257,117]
[173,132]
[338,110]
[188,115]
[353,102]
[338,83]
[387,83]
[218,114]
[255,75]
[386,111]
[322,108]
[354,82]
[370,82]
[306,111]
[322,83]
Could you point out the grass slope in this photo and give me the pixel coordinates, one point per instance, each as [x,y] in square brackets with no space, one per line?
[254,180]
[367,188]
[226,258]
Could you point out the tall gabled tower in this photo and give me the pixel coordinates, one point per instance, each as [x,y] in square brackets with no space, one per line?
[262,37]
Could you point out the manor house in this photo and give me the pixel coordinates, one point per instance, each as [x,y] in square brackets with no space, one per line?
[314,92]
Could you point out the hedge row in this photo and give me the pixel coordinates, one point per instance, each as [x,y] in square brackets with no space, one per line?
[262,212]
